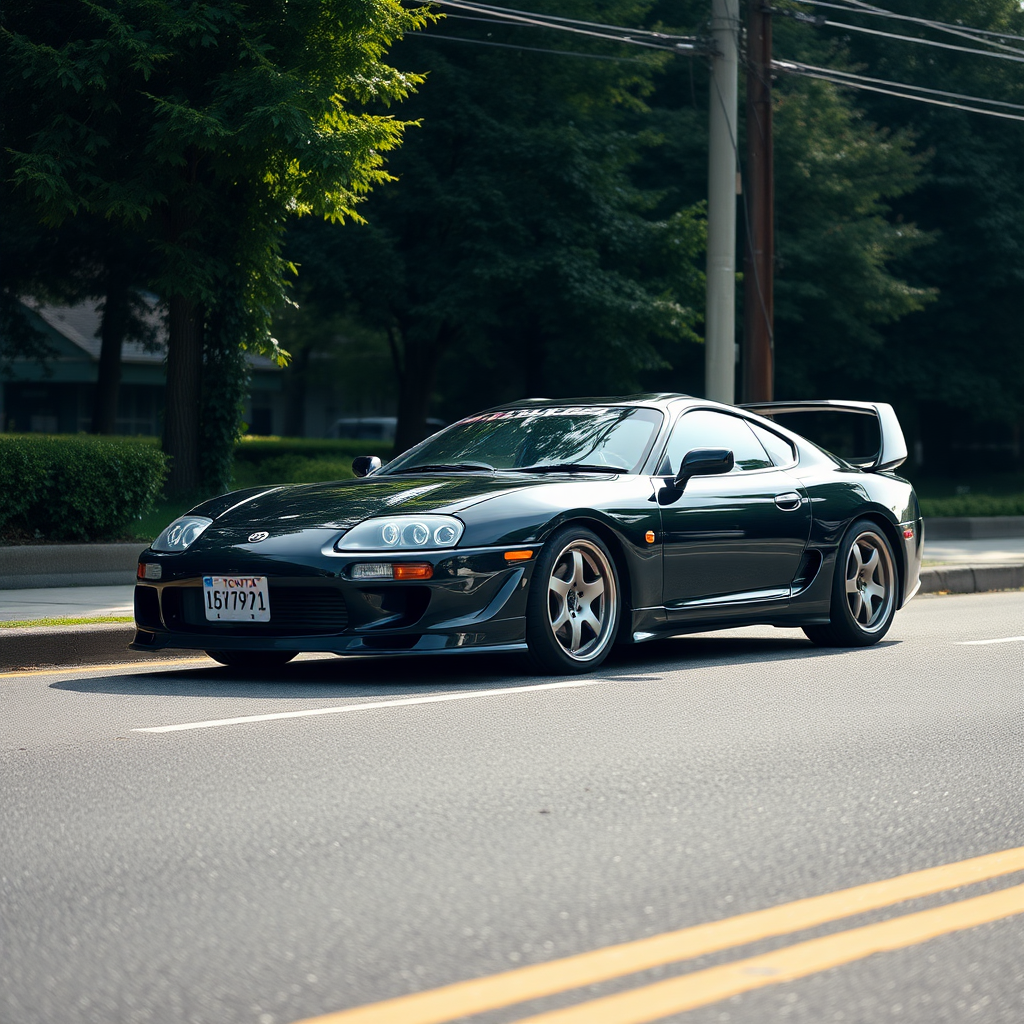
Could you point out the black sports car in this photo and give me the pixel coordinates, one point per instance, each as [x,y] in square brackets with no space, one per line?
[556,528]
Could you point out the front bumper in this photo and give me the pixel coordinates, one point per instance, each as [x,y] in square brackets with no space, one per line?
[475,600]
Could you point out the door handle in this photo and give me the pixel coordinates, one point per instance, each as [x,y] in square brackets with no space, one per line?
[788,502]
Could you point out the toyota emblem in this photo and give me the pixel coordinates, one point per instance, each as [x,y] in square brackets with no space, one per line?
[255,538]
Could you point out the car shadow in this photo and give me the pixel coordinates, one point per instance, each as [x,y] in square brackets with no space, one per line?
[409,675]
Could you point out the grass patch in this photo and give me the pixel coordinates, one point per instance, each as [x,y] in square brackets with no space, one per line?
[63,621]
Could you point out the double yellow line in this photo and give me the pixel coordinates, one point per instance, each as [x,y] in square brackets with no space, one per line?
[700,988]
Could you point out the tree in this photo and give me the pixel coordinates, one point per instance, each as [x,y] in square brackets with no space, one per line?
[959,364]
[204,126]
[515,254]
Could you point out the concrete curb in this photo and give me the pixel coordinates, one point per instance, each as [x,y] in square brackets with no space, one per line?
[28,566]
[44,646]
[971,579]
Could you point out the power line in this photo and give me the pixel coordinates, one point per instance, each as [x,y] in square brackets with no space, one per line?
[925,42]
[904,85]
[618,33]
[965,31]
[534,49]
[792,69]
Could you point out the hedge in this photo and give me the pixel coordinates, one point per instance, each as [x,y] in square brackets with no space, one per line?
[259,449]
[973,505]
[76,487]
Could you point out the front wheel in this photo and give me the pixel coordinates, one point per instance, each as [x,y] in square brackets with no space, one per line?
[259,662]
[573,611]
[863,590]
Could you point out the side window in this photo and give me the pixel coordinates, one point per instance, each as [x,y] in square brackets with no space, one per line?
[781,451]
[707,429]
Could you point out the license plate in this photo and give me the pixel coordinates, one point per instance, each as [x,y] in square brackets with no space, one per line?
[236,598]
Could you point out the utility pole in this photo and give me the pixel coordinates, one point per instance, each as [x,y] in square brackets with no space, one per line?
[758,363]
[720,314]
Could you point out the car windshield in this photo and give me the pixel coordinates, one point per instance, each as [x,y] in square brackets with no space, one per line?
[564,438]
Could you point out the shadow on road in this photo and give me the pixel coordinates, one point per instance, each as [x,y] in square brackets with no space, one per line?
[396,677]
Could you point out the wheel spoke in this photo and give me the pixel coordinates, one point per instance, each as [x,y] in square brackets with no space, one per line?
[559,586]
[577,635]
[576,579]
[856,605]
[592,591]
[852,586]
[857,560]
[591,620]
[561,619]
[874,591]
[871,566]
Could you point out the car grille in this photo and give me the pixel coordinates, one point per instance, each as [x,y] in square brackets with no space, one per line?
[294,611]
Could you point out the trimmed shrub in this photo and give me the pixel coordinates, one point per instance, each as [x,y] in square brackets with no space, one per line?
[258,449]
[76,487]
[290,469]
[973,505]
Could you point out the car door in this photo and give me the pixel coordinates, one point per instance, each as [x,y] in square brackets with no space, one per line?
[736,537]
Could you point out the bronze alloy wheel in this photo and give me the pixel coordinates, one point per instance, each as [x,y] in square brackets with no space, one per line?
[864,590]
[870,581]
[574,604]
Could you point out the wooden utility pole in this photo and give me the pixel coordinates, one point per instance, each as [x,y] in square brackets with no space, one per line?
[720,314]
[758,352]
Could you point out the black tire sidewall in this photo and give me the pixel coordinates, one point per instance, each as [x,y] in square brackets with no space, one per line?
[546,653]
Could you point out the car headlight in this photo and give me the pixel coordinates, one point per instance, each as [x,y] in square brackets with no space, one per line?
[402,533]
[181,533]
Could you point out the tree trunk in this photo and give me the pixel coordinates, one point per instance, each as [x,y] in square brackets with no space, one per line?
[297,381]
[112,332]
[417,372]
[183,394]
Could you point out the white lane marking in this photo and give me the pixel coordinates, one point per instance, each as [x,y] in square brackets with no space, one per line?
[1000,640]
[371,705]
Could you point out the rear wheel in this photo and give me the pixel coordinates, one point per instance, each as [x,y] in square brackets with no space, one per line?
[863,590]
[253,661]
[573,611]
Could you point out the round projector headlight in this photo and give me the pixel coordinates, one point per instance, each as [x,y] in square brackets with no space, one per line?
[181,533]
[445,536]
[402,533]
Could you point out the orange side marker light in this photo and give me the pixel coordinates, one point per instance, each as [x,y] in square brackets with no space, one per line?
[518,556]
[413,571]
[649,536]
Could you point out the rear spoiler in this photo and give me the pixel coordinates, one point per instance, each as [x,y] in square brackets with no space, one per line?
[892,451]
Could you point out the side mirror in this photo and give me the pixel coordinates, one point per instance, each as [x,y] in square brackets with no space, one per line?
[703,462]
[364,465]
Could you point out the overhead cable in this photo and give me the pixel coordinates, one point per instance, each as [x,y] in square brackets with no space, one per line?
[925,42]
[792,69]
[617,32]
[902,85]
[964,31]
[533,49]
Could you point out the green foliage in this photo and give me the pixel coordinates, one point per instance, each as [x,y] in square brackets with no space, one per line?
[973,505]
[516,254]
[203,128]
[76,488]
[254,450]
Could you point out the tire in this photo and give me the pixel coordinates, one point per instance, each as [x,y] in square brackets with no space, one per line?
[864,587]
[575,604]
[259,662]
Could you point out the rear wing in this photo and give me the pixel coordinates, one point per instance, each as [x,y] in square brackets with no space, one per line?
[891,446]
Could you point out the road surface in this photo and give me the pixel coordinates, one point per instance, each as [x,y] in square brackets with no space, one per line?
[352,832]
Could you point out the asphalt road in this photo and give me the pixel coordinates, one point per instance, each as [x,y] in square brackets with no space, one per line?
[280,869]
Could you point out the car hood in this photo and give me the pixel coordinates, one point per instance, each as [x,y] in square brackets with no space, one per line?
[292,508]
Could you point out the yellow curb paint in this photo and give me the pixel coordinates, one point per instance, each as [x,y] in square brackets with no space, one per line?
[478,995]
[677,995]
[102,668]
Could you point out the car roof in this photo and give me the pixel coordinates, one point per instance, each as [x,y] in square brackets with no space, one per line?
[657,400]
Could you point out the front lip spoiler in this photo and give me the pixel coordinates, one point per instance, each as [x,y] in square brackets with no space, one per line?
[427,644]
